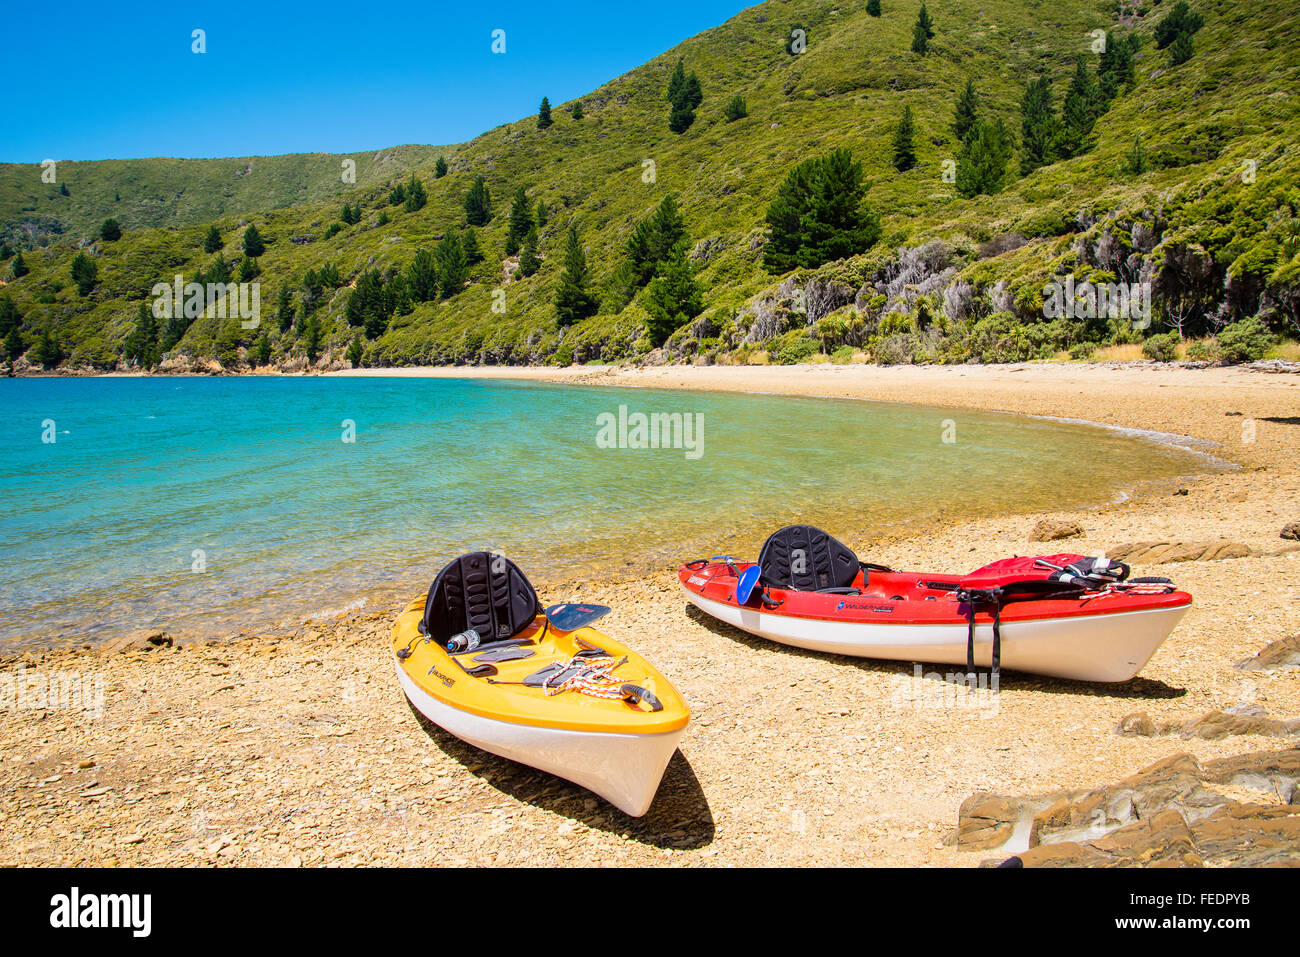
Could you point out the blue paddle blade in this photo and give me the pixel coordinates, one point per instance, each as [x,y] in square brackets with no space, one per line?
[745,585]
[723,558]
[570,616]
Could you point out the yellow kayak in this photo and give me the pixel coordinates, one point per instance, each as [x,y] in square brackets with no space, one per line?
[577,704]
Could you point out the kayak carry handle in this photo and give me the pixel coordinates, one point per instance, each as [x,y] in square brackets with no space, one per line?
[635,694]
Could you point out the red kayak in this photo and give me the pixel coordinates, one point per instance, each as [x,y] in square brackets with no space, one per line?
[1066,615]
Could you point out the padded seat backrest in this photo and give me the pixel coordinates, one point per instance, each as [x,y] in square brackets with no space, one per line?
[803,558]
[482,591]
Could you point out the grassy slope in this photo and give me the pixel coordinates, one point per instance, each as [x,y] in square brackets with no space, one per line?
[139,193]
[1232,99]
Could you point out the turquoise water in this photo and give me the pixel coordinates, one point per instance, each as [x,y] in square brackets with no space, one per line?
[213,505]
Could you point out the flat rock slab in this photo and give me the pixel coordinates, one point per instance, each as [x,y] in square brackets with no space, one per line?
[1209,727]
[1162,553]
[1167,815]
[1280,655]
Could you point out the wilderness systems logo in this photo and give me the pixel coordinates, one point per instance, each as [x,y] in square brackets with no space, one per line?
[657,430]
[1088,300]
[215,299]
[76,910]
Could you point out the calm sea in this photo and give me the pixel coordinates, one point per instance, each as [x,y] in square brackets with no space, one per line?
[209,506]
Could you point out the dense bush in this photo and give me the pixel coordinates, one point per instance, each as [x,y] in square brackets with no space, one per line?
[1161,348]
[1245,341]
[793,347]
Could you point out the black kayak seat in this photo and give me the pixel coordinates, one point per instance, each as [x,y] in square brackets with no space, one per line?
[804,558]
[481,591]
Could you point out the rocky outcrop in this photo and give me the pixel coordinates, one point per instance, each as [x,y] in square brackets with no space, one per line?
[1280,655]
[1162,553]
[1291,531]
[1211,726]
[137,641]
[1050,530]
[1169,814]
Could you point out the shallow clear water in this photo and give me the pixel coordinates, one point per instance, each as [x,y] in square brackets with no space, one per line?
[214,505]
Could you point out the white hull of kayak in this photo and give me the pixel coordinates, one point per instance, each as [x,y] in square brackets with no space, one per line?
[1094,647]
[624,769]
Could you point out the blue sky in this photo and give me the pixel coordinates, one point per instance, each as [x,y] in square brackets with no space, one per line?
[109,80]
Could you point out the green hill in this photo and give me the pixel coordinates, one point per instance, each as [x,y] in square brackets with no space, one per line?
[1188,182]
[140,193]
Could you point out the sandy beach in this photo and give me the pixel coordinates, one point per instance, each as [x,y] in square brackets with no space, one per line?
[299,748]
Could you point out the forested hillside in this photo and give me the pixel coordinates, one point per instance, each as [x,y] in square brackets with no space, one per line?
[888,180]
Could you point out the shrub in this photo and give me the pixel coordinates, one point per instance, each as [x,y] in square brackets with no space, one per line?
[1202,351]
[1161,348]
[1245,341]
[1083,351]
[794,347]
[842,356]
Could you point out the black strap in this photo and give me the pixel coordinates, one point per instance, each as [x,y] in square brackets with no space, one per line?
[1033,589]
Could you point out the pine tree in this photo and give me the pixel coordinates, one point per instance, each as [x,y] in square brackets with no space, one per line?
[422,276]
[573,300]
[249,269]
[735,109]
[677,81]
[469,242]
[923,18]
[685,94]
[416,197]
[84,273]
[311,340]
[13,345]
[673,297]
[440,168]
[6,251]
[1181,21]
[141,346]
[47,353]
[966,112]
[212,241]
[576,110]
[284,308]
[453,264]
[354,351]
[19,267]
[819,214]
[1135,164]
[528,261]
[263,349]
[1038,126]
[1079,114]
[982,162]
[1181,50]
[544,114]
[653,239]
[10,317]
[873,8]
[478,203]
[111,231]
[253,243]
[542,214]
[920,41]
[397,196]
[521,221]
[1115,69]
[904,151]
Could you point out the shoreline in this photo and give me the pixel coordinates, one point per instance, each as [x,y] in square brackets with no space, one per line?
[297,748]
